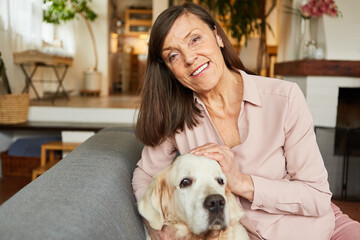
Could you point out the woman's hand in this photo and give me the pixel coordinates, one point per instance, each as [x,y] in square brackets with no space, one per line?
[167,234]
[238,183]
[164,234]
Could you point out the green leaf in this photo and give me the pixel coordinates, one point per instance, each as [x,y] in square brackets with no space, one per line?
[57,11]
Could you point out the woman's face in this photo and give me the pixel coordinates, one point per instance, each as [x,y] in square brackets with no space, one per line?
[192,52]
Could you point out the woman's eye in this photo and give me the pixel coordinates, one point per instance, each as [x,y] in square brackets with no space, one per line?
[185,183]
[195,40]
[172,57]
[220,181]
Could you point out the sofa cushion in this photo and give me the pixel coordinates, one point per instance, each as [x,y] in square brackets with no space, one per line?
[87,195]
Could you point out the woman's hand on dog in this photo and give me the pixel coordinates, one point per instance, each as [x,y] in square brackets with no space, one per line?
[237,182]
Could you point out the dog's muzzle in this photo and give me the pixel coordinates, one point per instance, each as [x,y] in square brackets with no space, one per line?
[215,205]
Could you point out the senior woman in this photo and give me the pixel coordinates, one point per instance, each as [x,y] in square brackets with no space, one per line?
[198,97]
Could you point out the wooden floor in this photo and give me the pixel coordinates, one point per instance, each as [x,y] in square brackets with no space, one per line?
[10,185]
[113,101]
[350,208]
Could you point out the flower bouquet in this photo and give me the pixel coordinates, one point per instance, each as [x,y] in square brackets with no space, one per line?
[317,8]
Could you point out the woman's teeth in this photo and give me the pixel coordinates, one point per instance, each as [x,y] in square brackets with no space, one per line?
[200,69]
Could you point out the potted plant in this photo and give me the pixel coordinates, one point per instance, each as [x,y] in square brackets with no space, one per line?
[242,19]
[57,11]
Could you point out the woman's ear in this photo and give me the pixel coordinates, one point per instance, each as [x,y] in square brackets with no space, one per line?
[218,38]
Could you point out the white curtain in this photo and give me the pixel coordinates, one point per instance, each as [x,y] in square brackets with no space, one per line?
[21,29]
[22,19]
[4,18]
[25,24]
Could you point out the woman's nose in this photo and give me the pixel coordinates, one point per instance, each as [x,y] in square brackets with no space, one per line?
[189,57]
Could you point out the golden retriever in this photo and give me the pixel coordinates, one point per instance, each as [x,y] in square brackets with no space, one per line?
[191,198]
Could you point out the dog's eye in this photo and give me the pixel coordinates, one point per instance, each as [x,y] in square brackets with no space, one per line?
[220,181]
[185,183]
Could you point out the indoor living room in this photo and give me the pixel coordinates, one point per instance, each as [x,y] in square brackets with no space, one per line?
[72,79]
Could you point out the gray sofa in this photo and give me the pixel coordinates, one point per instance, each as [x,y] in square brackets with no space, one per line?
[87,195]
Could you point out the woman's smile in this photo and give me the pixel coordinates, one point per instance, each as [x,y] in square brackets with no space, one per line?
[200,69]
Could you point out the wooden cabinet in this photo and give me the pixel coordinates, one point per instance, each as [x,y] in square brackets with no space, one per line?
[137,21]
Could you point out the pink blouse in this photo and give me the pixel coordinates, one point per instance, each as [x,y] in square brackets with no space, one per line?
[278,150]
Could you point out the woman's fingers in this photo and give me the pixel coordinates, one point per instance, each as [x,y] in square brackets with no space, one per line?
[210,147]
[201,149]
[226,158]
[222,154]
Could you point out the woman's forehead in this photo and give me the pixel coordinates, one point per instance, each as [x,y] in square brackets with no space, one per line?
[186,22]
[183,27]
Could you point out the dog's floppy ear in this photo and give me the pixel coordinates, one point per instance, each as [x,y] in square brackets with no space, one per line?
[151,206]
[235,210]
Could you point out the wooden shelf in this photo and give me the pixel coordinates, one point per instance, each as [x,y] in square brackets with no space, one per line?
[137,21]
[318,68]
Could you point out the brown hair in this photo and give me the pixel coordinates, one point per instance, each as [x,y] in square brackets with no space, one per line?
[166,105]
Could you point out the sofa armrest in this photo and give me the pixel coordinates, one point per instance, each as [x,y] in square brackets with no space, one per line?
[87,195]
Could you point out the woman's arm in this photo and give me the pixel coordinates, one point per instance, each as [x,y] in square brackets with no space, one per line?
[153,160]
[305,188]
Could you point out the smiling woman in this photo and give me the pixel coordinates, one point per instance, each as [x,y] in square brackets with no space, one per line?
[198,34]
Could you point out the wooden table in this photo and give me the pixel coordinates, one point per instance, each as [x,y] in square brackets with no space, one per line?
[35,59]
[51,147]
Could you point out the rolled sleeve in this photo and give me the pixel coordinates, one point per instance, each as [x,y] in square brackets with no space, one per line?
[276,196]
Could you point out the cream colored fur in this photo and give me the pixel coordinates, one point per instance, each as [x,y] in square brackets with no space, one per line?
[181,209]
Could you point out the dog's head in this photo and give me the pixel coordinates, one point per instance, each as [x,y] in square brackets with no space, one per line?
[192,191]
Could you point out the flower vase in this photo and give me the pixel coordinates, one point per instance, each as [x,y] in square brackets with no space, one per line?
[307,44]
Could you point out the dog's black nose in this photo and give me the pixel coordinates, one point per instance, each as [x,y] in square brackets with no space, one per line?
[214,203]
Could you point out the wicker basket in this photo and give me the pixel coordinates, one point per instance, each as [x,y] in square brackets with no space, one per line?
[18,166]
[14,108]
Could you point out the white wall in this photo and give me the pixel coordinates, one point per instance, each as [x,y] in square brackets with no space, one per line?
[158,7]
[289,32]
[342,34]
[83,56]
